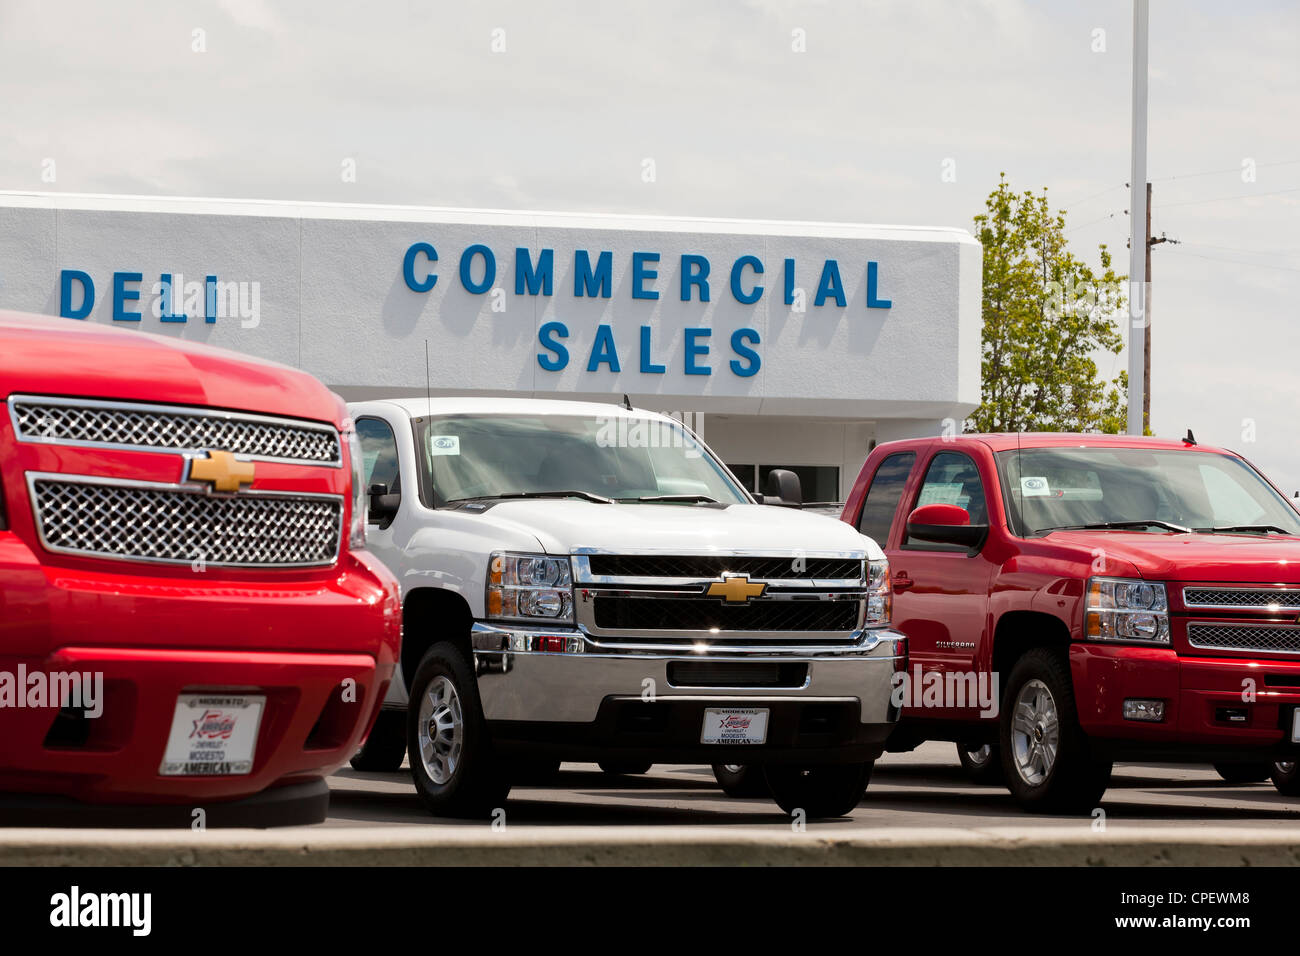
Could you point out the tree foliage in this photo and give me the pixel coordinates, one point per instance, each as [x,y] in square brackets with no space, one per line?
[1047,315]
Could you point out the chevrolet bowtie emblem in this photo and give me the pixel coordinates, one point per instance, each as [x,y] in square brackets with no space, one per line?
[736,588]
[223,470]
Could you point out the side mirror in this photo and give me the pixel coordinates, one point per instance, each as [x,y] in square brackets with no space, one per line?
[383,506]
[781,487]
[946,524]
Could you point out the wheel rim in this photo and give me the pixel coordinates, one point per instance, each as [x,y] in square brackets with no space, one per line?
[1035,732]
[1285,766]
[980,756]
[441,730]
[733,767]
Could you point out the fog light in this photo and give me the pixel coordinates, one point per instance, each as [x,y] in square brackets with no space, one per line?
[1152,710]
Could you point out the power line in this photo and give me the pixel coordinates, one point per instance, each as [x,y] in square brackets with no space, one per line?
[1080,202]
[1256,251]
[1168,179]
[1092,222]
[1218,172]
[1238,262]
[1198,202]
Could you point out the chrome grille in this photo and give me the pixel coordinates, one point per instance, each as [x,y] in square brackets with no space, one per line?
[1266,638]
[1241,597]
[663,599]
[169,428]
[148,522]
[712,566]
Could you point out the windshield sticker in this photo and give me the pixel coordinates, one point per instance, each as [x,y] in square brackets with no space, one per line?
[943,493]
[444,444]
[1034,487]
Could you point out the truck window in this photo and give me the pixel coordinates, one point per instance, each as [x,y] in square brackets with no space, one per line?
[1049,488]
[883,495]
[1230,503]
[379,454]
[953,479]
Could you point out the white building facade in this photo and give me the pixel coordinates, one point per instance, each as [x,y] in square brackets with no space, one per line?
[785,344]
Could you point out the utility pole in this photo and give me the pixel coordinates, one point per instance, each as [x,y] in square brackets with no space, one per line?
[1146,332]
[1138,247]
[1146,339]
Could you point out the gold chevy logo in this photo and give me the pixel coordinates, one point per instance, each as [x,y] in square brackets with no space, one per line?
[223,470]
[736,588]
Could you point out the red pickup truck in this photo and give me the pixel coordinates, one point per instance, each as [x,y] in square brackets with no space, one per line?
[189,620]
[1072,600]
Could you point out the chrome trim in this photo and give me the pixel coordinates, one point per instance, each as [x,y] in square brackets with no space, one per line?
[699,589]
[1246,589]
[179,410]
[582,573]
[1289,629]
[588,586]
[486,637]
[807,682]
[570,687]
[584,612]
[172,487]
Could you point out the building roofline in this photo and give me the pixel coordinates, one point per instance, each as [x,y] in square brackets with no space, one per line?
[196,205]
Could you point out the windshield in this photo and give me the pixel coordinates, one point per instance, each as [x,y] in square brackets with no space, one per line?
[1159,491]
[605,457]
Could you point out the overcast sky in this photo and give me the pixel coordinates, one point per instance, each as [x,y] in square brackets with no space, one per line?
[859,126]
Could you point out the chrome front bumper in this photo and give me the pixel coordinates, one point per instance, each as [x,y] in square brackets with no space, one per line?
[518,680]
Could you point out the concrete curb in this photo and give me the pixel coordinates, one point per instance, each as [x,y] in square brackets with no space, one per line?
[668,846]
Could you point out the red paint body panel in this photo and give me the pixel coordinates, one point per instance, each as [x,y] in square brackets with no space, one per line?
[156,630]
[948,600]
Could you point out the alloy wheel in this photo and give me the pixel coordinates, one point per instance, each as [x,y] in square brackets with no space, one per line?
[1035,732]
[441,730]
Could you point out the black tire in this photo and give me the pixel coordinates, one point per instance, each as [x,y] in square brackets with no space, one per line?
[827,790]
[739,780]
[982,764]
[1286,777]
[385,748]
[1244,772]
[477,782]
[1075,779]
[626,767]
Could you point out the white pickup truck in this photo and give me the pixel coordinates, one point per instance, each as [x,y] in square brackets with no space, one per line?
[588,582]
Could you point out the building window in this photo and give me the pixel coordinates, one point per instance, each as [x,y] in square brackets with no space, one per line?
[745,475]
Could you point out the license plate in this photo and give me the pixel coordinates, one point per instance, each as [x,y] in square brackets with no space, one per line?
[734,725]
[1295,726]
[212,735]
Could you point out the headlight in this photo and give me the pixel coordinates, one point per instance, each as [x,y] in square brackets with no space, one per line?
[360,504]
[880,599]
[530,586]
[1126,609]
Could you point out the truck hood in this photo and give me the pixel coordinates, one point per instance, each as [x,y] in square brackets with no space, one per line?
[42,355]
[1243,558]
[564,526]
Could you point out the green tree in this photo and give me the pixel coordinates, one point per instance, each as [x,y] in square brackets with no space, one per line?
[1047,314]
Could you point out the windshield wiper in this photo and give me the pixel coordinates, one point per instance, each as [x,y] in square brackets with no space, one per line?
[1120,525]
[584,495]
[1258,528]
[702,499]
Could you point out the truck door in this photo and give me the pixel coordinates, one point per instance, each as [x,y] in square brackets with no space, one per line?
[941,591]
